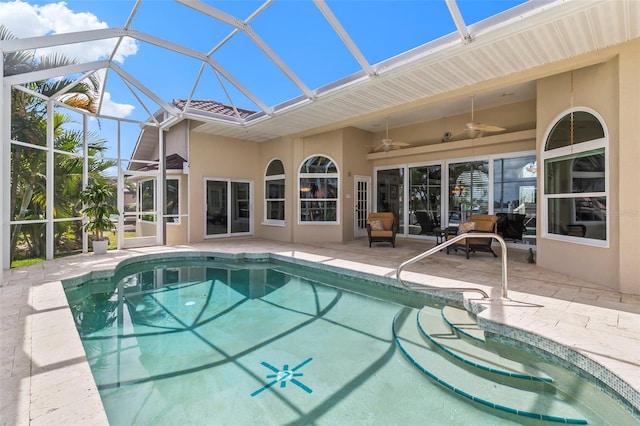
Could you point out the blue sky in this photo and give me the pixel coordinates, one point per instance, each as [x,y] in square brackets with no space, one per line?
[294,29]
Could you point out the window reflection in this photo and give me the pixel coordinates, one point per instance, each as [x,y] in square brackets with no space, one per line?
[575,179]
[275,191]
[318,190]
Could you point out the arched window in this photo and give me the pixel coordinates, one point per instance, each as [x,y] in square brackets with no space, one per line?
[318,180]
[274,193]
[576,179]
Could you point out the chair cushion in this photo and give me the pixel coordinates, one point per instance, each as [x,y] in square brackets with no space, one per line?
[377,225]
[485,226]
[387,222]
[466,227]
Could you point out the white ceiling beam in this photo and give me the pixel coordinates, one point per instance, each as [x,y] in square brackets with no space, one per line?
[202,57]
[239,24]
[344,36]
[251,17]
[126,26]
[133,92]
[463,31]
[55,72]
[20,44]
[93,35]
[128,77]
[73,84]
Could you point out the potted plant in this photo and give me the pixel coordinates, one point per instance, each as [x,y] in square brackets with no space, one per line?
[96,198]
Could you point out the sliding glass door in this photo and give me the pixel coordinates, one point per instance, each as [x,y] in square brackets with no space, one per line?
[390,188]
[468,190]
[228,207]
[425,188]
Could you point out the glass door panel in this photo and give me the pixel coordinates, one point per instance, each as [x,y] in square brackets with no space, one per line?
[240,205]
[140,211]
[228,208]
[216,213]
[425,199]
[468,190]
[362,205]
[389,194]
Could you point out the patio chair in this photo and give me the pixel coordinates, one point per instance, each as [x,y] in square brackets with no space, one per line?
[382,227]
[426,224]
[486,223]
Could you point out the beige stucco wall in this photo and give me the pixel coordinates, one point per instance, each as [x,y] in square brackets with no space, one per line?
[606,83]
[282,149]
[328,144]
[348,147]
[628,212]
[217,157]
[608,88]
[514,117]
[356,145]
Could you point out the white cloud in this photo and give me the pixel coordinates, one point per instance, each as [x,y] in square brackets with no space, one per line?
[114,109]
[29,20]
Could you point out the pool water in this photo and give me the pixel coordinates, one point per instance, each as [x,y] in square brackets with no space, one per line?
[213,342]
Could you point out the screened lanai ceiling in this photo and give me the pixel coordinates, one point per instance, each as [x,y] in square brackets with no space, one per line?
[299,66]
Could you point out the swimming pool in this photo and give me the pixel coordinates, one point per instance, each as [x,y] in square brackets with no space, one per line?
[195,341]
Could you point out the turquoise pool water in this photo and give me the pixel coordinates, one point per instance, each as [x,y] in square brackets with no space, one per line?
[195,342]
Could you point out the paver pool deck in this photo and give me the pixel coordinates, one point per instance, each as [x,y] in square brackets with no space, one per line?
[45,378]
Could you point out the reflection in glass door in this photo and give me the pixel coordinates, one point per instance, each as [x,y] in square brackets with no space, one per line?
[425,199]
[140,213]
[227,215]
[468,190]
[240,214]
[362,205]
[389,194]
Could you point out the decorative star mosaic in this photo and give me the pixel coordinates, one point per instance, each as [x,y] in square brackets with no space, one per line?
[283,376]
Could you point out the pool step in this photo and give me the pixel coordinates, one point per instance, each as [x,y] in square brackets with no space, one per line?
[463,322]
[424,355]
[466,348]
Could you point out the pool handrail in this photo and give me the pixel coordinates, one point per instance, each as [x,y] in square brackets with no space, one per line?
[446,244]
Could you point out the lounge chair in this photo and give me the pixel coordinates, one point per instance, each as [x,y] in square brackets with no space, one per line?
[382,227]
[487,223]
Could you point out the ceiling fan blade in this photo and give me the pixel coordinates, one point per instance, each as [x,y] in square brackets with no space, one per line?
[481,127]
[487,128]
[400,144]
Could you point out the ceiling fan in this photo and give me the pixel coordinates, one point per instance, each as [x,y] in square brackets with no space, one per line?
[473,129]
[387,144]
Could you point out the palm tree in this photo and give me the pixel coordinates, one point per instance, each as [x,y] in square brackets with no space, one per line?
[28,124]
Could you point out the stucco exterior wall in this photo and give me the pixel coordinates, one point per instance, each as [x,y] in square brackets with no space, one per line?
[628,212]
[328,144]
[607,84]
[217,157]
[282,149]
[356,144]
[599,87]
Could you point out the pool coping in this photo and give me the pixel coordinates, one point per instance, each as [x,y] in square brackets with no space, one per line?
[49,373]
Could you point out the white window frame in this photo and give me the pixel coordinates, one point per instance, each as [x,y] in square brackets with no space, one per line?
[323,175]
[179,215]
[266,220]
[569,150]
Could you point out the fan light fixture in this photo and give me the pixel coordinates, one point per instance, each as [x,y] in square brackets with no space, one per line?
[387,144]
